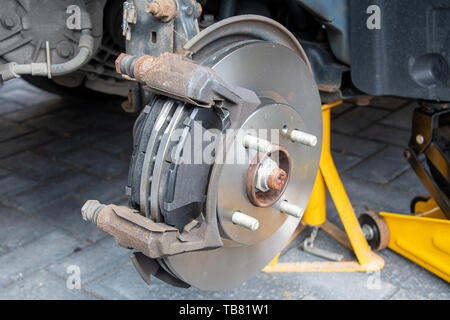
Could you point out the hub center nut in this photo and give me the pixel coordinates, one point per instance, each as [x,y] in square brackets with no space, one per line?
[270,176]
[267,179]
[277,179]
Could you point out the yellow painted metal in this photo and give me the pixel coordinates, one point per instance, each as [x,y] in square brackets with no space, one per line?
[316,212]
[340,197]
[376,263]
[429,209]
[316,215]
[424,240]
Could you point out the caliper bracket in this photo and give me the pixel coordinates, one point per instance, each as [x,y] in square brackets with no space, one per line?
[178,77]
[155,240]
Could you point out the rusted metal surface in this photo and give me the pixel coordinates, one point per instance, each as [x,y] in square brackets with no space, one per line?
[337,234]
[199,9]
[383,231]
[155,240]
[168,73]
[267,199]
[178,77]
[277,179]
[165,10]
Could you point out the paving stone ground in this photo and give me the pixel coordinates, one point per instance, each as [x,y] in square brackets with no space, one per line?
[57,153]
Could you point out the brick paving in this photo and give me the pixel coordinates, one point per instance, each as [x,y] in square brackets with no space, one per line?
[56,153]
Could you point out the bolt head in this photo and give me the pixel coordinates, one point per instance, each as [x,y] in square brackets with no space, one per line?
[420,139]
[64,49]
[9,22]
[277,179]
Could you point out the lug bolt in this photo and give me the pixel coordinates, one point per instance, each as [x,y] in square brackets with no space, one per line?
[257,144]
[243,220]
[420,139]
[291,209]
[303,137]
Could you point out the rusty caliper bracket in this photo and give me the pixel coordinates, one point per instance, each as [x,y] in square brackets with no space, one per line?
[155,240]
[177,77]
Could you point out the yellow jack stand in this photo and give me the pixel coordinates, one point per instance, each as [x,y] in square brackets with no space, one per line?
[424,238]
[315,215]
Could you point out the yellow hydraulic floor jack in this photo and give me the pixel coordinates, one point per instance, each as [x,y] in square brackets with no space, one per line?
[423,238]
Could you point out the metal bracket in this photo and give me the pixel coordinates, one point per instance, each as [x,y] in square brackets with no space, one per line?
[440,198]
[308,246]
[177,77]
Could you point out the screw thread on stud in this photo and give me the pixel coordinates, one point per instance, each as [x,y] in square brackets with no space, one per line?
[245,221]
[291,209]
[257,144]
[303,137]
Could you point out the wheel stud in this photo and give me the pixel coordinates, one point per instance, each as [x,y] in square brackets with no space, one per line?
[291,209]
[303,137]
[243,220]
[257,144]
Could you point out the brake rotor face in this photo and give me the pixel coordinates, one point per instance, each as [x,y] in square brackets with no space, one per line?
[279,74]
[232,195]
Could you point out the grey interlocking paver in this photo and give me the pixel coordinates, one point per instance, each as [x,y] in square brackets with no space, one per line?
[9,130]
[32,112]
[350,286]
[389,103]
[354,146]
[428,285]
[409,182]
[125,283]
[56,153]
[357,119]
[344,161]
[106,120]
[43,285]
[30,97]
[106,191]
[341,109]
[117,143]
[11,184]
[401,118]
[386,134]
[365,195]
[383,167]
[65,214]
[53,124]
[94,261]
[104,164]
[17,84]
[60,147]
[34,167]
[9,107]
[34,200]
[17,229]
[402,294]
[19,144]
[35,255]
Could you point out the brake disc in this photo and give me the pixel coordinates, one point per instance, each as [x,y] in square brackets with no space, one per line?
[168,191]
